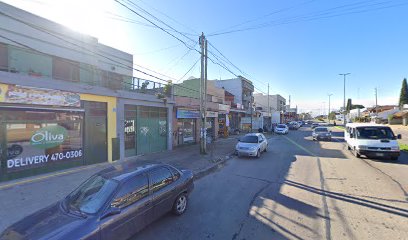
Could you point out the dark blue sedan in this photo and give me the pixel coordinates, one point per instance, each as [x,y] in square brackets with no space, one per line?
[115,203]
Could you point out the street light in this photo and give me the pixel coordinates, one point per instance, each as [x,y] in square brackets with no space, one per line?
[344,99]
[328,113]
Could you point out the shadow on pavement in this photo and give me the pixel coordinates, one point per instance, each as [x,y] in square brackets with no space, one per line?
[402,160]
[351,199]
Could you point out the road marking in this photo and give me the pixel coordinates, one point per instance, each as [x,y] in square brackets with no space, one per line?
[300,146]
[322,183]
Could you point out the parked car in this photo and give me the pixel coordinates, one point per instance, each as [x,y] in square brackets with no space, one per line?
[372,140]
[252,144]
[321,133]
[281,129]
[314,125]
[113,204]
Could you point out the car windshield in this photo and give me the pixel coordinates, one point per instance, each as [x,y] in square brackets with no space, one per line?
[249,139]
[375,133]
[91,195]
[321,130]
[281,126]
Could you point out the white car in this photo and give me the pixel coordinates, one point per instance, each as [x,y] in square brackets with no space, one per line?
[281,129]
[252,144]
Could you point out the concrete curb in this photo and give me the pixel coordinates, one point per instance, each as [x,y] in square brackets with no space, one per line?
[214,167]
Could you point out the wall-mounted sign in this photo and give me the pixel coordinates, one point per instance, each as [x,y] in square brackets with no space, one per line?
[224,107]
[183,113]
[48,137]
[39,96]
[211,114]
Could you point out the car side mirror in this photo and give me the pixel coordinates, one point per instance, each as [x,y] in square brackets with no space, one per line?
[110,212]
[239,140]
[399,136]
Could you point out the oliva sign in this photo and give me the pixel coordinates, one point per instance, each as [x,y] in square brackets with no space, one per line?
[48,137]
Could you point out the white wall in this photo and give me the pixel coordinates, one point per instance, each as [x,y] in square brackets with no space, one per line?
[57,40]
[233,86]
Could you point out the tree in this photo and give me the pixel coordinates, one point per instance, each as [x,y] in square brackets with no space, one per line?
[349,105]
[404,93]
[332,116]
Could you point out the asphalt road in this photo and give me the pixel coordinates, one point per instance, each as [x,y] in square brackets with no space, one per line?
[299,189]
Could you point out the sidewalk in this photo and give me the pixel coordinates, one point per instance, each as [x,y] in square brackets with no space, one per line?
[22,197]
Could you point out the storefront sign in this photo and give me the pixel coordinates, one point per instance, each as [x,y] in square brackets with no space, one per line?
[182,113]
[18,164]
[212,114]
[48,137]
[224,107]
[39,96]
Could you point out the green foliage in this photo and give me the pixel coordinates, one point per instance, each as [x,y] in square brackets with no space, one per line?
[144,85]
[390,117]
[349,105]
[403,147]
[167,89]
[332,116]
[404,93]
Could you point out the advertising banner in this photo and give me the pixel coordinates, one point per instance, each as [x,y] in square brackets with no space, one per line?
[41,147]
[38,96]
[183,113]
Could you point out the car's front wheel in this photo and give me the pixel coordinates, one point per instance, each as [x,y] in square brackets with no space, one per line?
[180,205]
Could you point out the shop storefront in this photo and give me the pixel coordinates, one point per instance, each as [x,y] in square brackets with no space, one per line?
[145,129]
[212,128]
[41,130]
[186,129]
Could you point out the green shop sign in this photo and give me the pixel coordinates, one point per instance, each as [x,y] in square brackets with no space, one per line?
[48,137]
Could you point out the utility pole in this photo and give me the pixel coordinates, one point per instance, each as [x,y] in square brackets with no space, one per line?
[203,95]
[328,115]
[376,105]
[344,97]
[250,105]
[269,110]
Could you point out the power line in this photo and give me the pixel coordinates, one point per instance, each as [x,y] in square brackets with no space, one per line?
[169,17]
[164,30]
[191,68]
[264,16]
[328,13]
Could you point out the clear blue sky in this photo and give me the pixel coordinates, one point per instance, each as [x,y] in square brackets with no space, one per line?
[301,58]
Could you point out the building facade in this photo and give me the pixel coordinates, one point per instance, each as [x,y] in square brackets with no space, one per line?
[242,89]
[186,116]
[64,98]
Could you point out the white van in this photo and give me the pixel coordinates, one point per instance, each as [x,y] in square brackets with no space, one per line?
[372,140]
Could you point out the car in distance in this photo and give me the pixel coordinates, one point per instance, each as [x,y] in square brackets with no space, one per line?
[115,203]
[321,133]
[294,125]
[252,145]
[281,129]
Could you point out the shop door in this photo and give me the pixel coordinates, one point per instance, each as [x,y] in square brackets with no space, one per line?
[151,129]
[95,147]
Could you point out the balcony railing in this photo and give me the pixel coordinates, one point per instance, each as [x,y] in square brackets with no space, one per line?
[139,85]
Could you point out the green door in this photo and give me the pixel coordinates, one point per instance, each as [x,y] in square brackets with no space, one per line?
[95,134]
[151,129]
